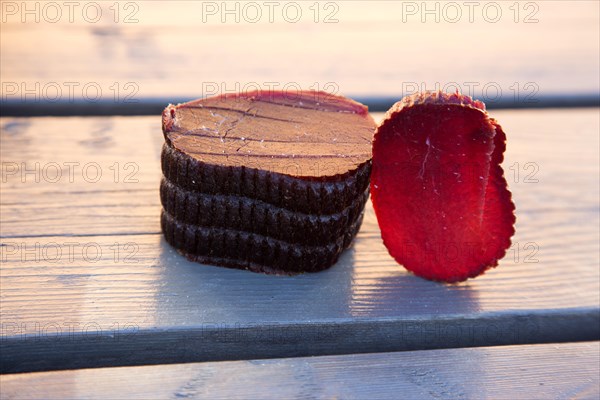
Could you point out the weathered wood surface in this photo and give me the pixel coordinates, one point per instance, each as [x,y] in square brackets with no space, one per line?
[552,371]
[87,279]
[141,49]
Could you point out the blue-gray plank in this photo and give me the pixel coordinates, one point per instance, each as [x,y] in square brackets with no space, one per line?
[552,371]
[87,279]
[498,52]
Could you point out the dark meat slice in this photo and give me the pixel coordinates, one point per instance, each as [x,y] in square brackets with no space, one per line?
[438,189]
[268,181]
[311,196]
[250,215]
[258,253]
[307,151]
[306,134]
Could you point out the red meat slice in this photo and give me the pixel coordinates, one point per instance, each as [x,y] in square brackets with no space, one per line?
[438,189]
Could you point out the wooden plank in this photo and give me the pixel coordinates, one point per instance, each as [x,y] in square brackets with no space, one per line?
[181,49]
[546,168]
[88,281]
[558,371]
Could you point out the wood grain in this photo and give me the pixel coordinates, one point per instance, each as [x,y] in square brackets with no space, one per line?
[87,279]
[374,48]
[557,371]
[551,163]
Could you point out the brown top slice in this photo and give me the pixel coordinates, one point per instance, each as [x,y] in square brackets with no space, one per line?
[305,134]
